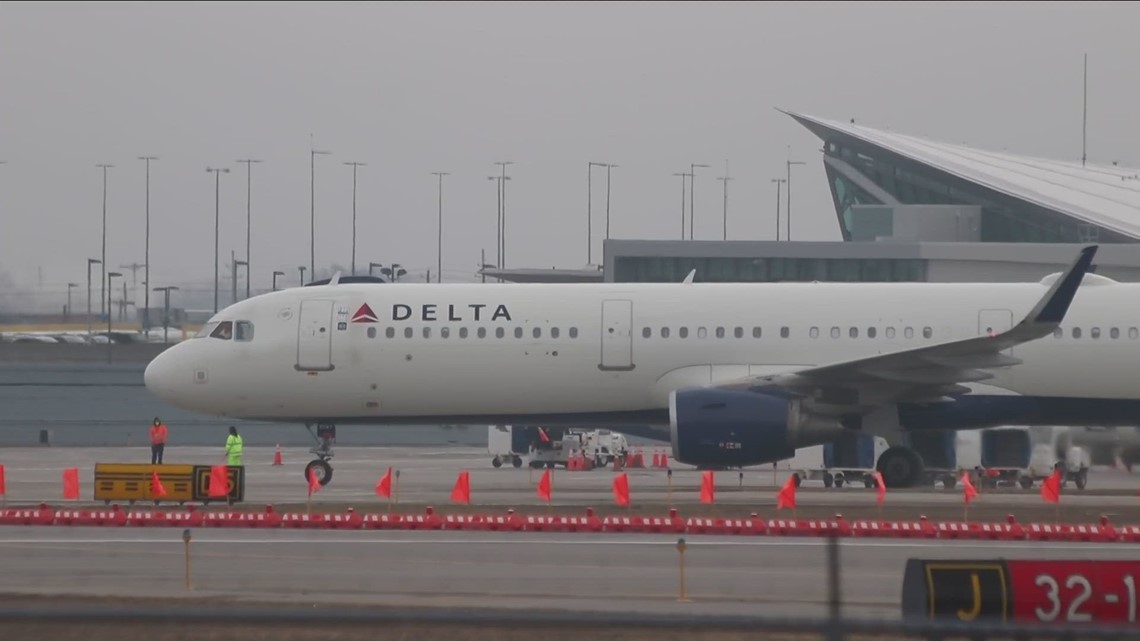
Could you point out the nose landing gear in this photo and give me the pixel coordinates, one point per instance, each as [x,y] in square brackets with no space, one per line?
[325,436]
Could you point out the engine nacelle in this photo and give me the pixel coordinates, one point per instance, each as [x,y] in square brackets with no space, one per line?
[728,428]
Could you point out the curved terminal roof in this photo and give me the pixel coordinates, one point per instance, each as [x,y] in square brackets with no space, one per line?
[1103,195]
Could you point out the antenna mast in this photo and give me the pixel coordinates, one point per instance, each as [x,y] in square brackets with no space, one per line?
[1085,117]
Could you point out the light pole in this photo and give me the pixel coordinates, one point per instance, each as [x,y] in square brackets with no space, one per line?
[166,309]
[354,166]
[110,342]
[217,191]
[439,229]
[103,257]
[90,262]
[503,212]
[313,208]
[589,209]
[608,168]
[372,265]
[790,163]
[779,182]
[692,191]
[146,250]
[302,268]
[683,175]
[275,275]
[233,274]
[248,221]
[394,272]
[67,317]
[724,179]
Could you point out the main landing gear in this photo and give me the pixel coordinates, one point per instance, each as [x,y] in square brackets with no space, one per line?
[900,467]
[325,436]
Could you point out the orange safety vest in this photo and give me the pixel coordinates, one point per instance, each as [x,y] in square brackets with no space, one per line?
[158,434]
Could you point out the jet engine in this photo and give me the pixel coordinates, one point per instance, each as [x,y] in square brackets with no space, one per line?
[727,428]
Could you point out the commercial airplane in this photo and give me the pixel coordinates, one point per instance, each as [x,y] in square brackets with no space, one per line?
[731,374]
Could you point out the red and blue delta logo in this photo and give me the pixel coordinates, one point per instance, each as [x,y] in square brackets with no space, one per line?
[365,315]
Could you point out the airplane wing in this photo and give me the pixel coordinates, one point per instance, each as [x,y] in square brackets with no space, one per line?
[930,372]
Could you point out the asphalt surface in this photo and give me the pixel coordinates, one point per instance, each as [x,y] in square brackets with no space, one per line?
[599,572]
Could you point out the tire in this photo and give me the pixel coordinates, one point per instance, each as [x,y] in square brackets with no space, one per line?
[839,481]
[322,469]
[516,461]
[828,479]
[497,462]
[1082,479]
[901,467]
[868,481]
[949,482]
[1025,482]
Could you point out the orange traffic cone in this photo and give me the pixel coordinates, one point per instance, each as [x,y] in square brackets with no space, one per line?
[277,456]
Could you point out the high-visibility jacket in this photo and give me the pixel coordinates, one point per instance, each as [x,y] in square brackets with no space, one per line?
[158,434]
[233,449]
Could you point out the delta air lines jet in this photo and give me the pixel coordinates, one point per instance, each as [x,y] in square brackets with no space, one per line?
[730,374]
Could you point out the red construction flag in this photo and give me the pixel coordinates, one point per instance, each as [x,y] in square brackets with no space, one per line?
[621,489]
[384,487]
[461,493]
[1051,487]
[71,483]
[544,486]
[708,488]
[968,491]
[542,435]
[881,485]
[156,488]
[219,482]
[786,498]
[314,483]
[3,485]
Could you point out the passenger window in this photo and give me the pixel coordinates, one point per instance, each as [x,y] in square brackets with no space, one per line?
[755,332]
[646,332]
[870,332]
[1094,332]
[683,332]
[738,332]
[427,332]
[500,332]
[462,332]
[554,332]
[835,332]
[814,332]
[927,332]
[444,332]
[720,332]
[390,332]
[1133,333]
[537,332]
[573,332]
[518,332]
[890,332]
[243,331]
[481,332]
[1076,332]
[702,332]
[408,332]
[1114,333]
[853,332]
[371,332]
[908,332]
[785,332]
[664,332]
[224,331]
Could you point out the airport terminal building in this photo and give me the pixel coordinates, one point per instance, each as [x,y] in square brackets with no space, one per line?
[912,209]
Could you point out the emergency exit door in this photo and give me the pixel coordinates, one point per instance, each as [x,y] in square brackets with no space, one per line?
[617,335]
[314,336]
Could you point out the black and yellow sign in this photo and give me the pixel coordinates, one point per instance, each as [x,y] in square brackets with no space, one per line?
[132,482]
[963,591]
[183,483]
[235,476]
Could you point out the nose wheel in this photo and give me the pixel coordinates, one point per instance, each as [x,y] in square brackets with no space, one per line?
[324,436]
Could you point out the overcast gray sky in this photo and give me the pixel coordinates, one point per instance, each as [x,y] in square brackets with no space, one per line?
[415,88]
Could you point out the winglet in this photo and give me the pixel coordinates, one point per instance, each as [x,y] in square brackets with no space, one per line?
[1051,309]
[335,279]
[689,278]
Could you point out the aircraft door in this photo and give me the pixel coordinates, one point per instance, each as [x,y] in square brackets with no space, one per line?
[995,321]
[617,335]
[314,336]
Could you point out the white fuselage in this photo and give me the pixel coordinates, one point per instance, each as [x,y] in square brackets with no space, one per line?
[598,352]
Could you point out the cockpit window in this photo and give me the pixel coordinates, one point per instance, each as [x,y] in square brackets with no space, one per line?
[224,331]
[206,330]
[243,331]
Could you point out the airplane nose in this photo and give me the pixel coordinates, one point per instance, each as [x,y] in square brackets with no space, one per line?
[160,375]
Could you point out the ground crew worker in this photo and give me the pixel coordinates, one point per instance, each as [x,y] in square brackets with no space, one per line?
[233,447]
[157,441]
